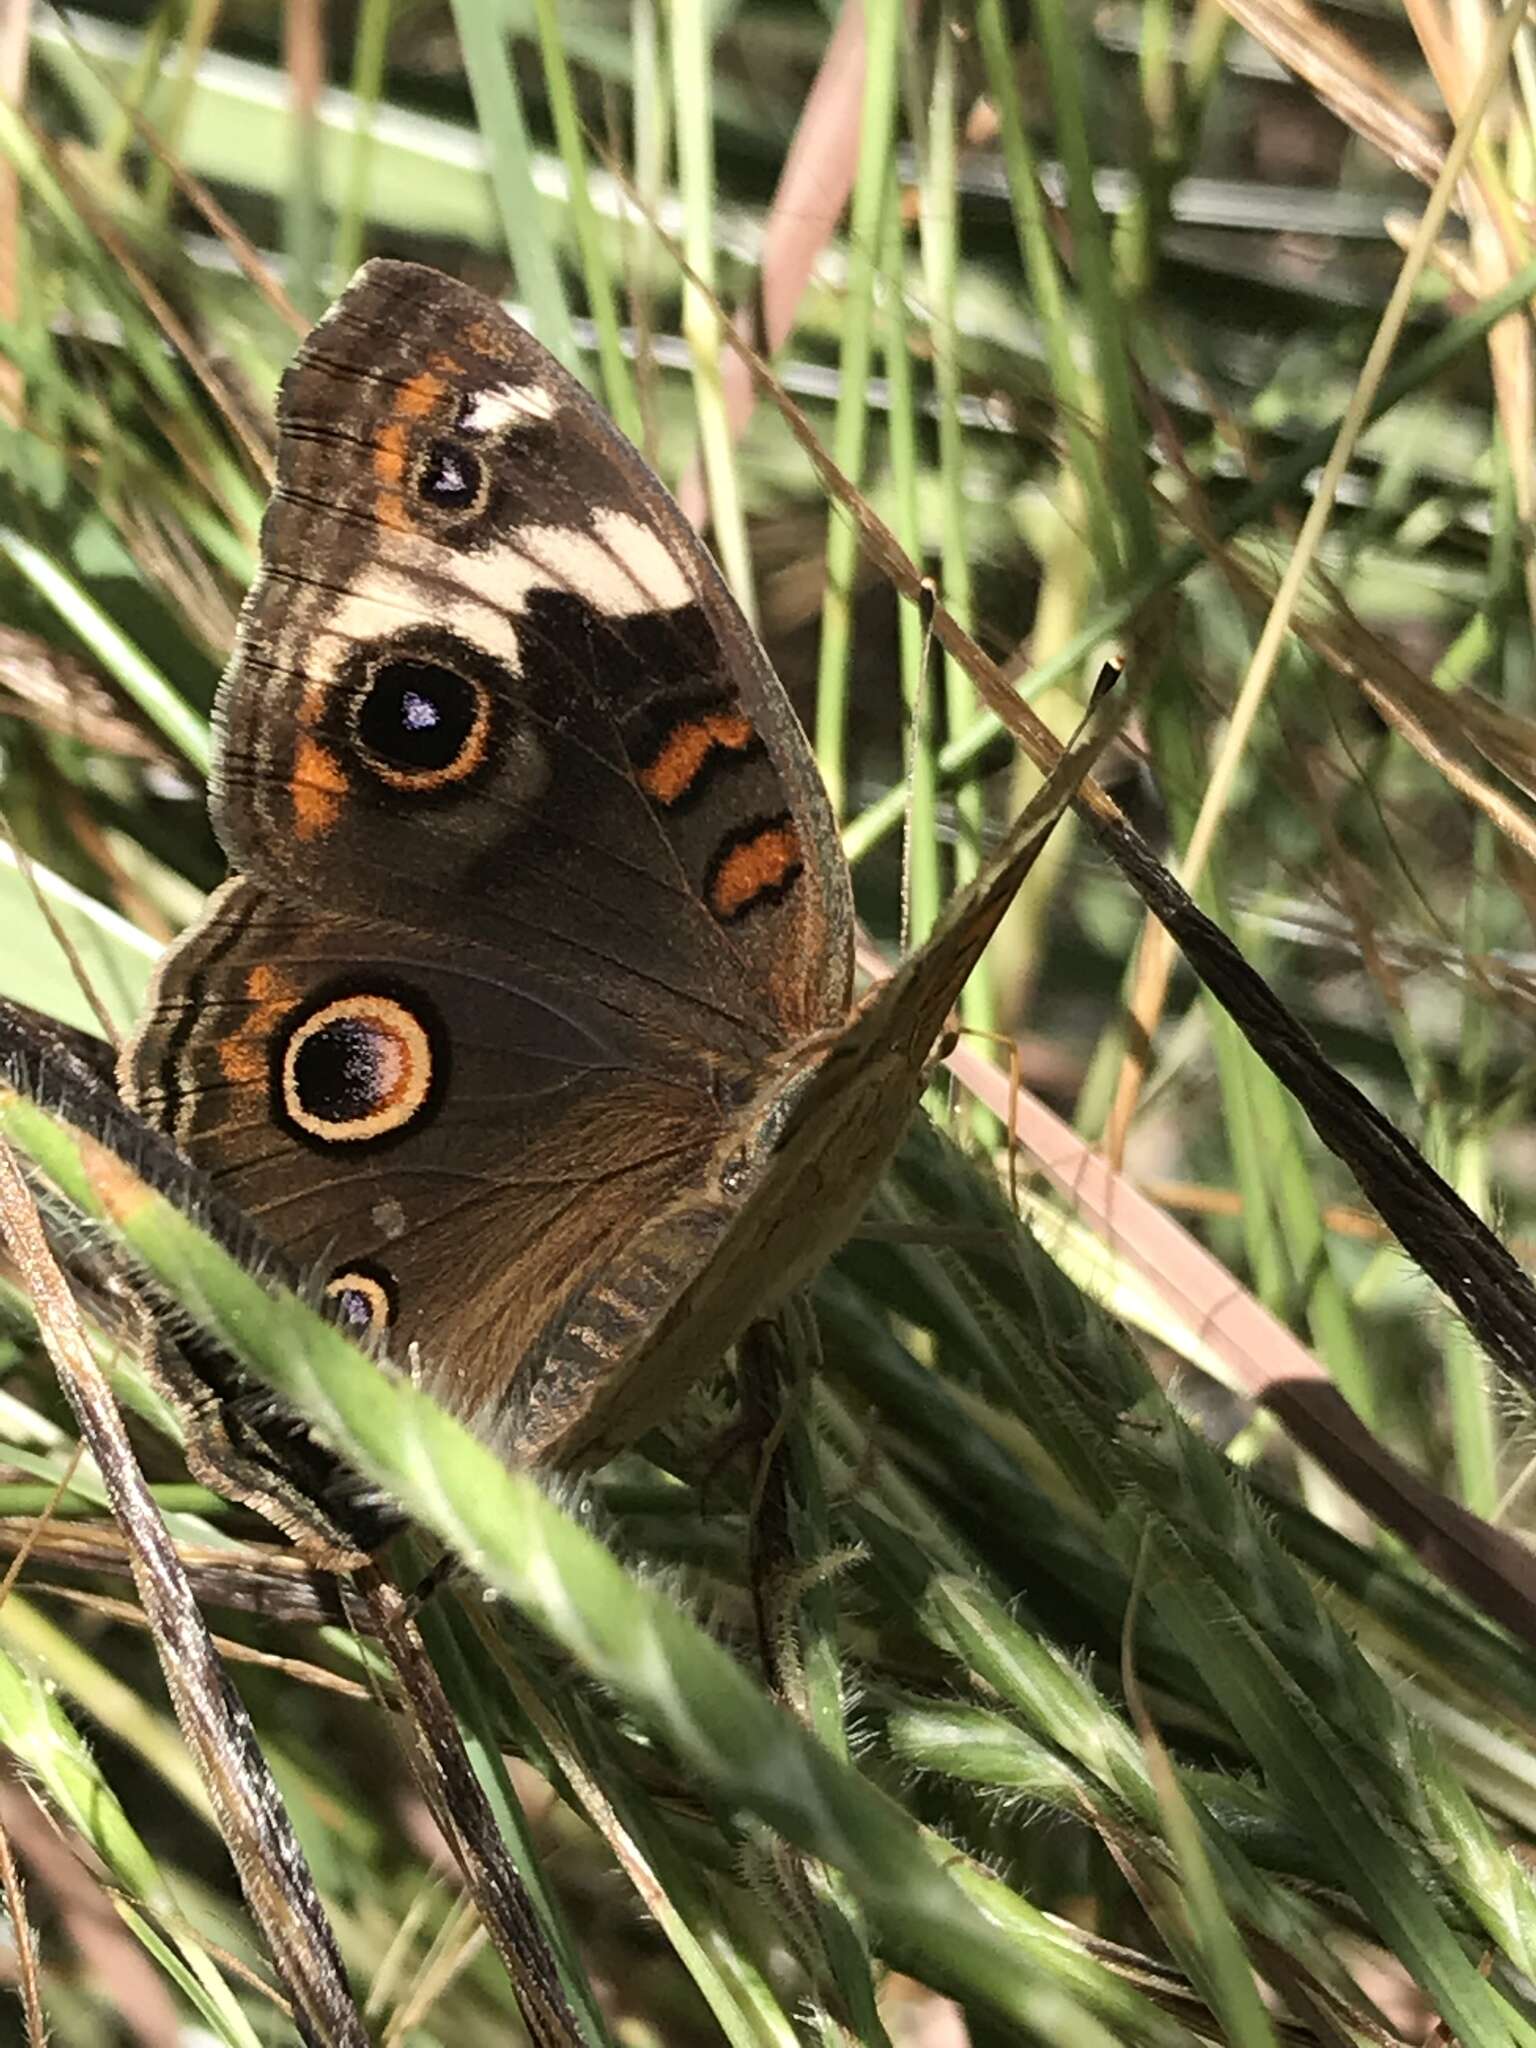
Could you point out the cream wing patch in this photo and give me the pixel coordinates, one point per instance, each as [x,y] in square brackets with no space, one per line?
[622,567]
[501,406]
[383,601]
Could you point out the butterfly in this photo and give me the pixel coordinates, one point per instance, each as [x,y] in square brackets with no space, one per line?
[524,1022]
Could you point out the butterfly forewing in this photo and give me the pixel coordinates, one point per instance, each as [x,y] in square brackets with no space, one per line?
[490,684]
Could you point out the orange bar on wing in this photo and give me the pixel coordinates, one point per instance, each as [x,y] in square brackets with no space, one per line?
[317,788]
[754,867]
[413,402]
[686,749]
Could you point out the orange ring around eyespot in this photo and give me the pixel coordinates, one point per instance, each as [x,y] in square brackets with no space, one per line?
[400,1048]
[469,758]
[357,1280]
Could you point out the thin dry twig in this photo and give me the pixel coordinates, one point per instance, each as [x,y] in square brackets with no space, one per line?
[24,1942]
[1346,80]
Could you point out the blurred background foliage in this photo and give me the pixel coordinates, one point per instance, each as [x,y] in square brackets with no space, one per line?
[1076,296]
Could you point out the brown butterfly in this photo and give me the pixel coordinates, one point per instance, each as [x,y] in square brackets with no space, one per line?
[524,1021]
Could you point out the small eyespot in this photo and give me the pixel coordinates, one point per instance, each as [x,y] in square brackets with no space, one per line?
[451,477]
[362,1066]
[363,1298]
[422,725]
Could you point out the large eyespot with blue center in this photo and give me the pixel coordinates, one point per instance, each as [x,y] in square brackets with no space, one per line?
[423,713]
[363,1298]
[359,1066]
[452,478]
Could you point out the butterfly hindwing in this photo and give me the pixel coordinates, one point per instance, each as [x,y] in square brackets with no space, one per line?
[449,1152]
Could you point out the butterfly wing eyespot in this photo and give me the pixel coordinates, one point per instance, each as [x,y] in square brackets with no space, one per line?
[452,478]
[422,725]
[358,1066]
[363,1297]
[426,714]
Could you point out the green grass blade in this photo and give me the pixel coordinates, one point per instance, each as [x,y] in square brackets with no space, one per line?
[621,1632]
[499,110]
[690,26]
[169,712]
[870,191]
[369,54]
[618,382]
